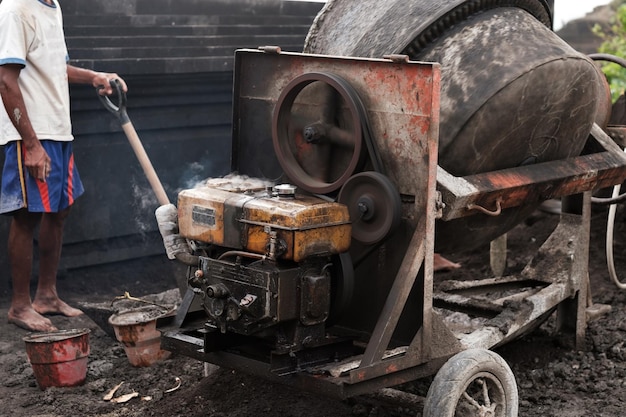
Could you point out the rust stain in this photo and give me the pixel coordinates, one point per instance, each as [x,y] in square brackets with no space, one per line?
[392,368]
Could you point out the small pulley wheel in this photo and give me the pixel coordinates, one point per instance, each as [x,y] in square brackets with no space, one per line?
[317,132]
[374,205]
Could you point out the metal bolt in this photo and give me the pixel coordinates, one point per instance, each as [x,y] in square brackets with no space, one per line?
[366,207]
[311,134]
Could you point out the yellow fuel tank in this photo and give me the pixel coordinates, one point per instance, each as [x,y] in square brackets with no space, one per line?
[245,218]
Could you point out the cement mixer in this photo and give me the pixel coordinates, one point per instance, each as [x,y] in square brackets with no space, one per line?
[513,93]
[404,128]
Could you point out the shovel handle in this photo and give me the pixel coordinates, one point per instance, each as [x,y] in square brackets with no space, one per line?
[131,134]
[146,165]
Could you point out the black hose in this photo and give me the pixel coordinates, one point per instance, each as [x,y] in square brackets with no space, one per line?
[609,58]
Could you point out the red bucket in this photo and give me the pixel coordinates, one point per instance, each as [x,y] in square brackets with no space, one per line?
[58,359]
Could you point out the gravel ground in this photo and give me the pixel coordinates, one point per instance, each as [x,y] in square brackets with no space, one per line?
[553,379]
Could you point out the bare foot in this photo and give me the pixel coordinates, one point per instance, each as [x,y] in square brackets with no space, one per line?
[442,264]
[55,306]
[29,319]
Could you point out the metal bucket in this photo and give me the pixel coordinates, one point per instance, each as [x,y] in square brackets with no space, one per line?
[58,359]
[136,330]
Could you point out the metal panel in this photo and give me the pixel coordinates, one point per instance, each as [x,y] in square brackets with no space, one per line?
[401,102]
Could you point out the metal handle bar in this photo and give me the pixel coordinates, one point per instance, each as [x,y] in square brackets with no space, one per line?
[120,109]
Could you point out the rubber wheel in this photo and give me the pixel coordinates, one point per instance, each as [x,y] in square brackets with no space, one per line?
[473,383]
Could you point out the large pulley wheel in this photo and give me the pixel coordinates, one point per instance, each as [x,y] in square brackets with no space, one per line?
[475,382]
[317,131]
[374,206]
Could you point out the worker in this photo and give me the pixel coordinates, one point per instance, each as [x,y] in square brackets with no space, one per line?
[40,181]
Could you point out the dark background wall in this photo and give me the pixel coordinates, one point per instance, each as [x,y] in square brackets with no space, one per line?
[177,58]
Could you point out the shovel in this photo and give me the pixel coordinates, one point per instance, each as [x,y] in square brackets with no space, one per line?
[120,111]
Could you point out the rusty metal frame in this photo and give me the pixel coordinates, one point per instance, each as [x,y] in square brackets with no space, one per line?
[408,149]
[556,279]
[533,183]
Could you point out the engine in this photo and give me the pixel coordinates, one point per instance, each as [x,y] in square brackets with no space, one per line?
[268,256]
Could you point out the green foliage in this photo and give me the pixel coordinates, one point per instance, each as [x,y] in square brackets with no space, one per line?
[614,43]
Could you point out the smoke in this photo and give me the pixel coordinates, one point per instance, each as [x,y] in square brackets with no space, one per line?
[238,183]
[197,174]
[144,201]
[192,176]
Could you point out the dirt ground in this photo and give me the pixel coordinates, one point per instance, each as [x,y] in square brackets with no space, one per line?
[553,380]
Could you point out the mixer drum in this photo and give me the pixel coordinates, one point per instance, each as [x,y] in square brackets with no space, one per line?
[512,91]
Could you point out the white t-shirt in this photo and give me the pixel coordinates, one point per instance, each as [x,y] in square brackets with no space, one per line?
[31,34]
